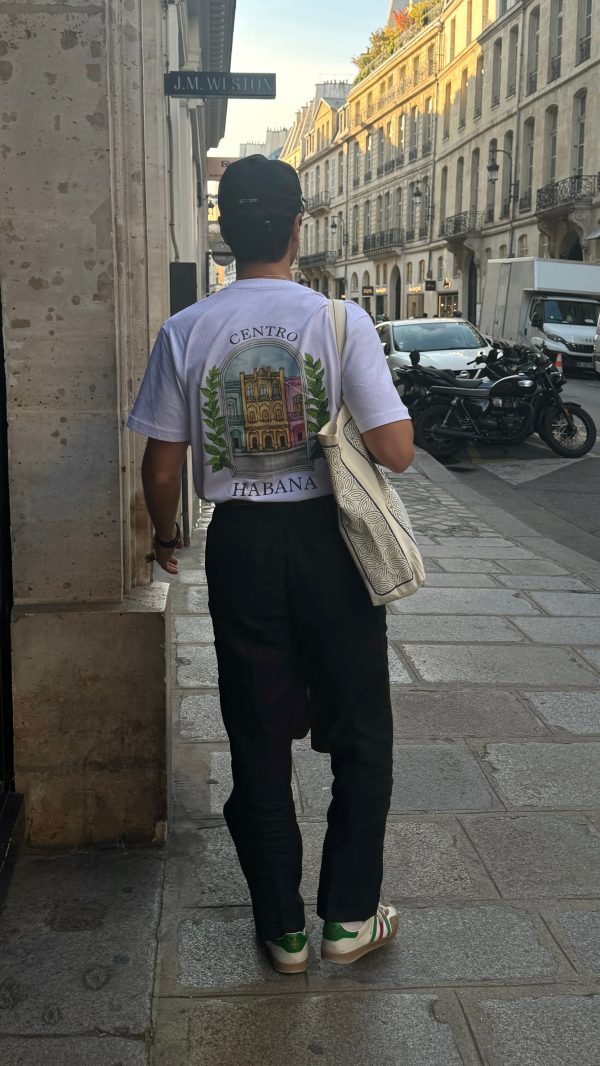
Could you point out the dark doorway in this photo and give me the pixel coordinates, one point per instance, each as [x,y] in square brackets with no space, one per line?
[571,248]
[472,293]
[9,802]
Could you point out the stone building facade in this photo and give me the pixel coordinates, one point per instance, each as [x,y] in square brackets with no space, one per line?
[415,215]
[103,191]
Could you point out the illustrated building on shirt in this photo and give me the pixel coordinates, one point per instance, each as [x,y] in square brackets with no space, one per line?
[262,386]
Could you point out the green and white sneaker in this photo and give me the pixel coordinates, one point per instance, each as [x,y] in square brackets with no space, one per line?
[344,946]
[289,953]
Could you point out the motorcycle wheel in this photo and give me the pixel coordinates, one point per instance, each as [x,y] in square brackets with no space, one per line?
[424,426]
[571,442]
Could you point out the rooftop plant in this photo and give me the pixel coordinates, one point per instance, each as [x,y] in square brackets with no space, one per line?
[388,39]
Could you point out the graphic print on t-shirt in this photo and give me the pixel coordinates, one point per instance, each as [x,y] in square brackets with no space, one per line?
[262,410]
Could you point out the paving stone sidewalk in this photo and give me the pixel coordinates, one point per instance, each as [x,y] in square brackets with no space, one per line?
[492,851]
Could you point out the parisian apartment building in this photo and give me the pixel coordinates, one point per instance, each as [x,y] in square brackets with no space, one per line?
[474,139]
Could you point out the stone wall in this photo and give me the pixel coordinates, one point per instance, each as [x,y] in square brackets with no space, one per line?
[84,287]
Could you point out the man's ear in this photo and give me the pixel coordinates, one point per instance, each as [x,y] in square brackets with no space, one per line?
[296,226]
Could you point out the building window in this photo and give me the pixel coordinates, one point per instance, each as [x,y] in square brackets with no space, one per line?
[443,193]
[399,207]
[503,251]
[387,211]
[447,105]
[379,214]
[340,173]
[431,59]
[584,30]
[496,72]
[478,104]
[318,181]
[368,157]
[487,255]
[474,192]
[522,245]
[409,273]
[513,49]
[428,125]
[462,111]
[533,51]
[527,165]
[317,236]
[452,45]
[356,163]
[380,149]
[556,36]
[355,229]
[421,270]
[401,135]
[388,140]
[416,70]
[367,219]
[326,186]
[414,132]
[354,283]
[460,174]
[440,268]
[378,275]
[579,106]
[385,273]
[455,267]
[550,136]
[469,21]
[485,13]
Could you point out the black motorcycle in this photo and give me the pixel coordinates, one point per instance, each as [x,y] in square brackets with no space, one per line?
[524,398]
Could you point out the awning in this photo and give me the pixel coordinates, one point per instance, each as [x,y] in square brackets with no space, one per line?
[594,234]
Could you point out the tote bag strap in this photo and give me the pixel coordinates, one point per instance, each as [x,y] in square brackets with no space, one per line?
[337,314]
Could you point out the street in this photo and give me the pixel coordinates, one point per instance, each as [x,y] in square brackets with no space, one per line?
[539,487]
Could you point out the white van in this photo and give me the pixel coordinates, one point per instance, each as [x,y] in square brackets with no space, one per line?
[597,348]
[556,300]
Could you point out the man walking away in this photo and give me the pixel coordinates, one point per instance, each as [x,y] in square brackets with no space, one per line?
[247,378]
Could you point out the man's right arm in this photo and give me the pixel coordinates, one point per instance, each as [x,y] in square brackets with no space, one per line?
[392,445]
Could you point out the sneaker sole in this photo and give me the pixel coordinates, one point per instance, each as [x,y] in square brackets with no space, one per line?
[352,956]
[289,967]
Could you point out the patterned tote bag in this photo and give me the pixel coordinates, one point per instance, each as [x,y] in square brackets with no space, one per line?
[372,518]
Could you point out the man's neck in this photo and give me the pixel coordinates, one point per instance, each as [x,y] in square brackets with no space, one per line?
[280,270]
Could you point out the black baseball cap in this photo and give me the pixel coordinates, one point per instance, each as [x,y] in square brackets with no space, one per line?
[257,189]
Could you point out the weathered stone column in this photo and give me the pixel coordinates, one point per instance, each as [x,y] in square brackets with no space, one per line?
[84,287]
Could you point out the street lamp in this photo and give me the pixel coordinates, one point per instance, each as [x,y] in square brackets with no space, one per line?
[333,227]
[493,171]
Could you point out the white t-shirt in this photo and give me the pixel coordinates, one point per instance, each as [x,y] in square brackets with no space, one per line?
[249,376]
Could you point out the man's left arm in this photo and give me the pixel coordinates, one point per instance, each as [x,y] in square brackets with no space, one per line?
[161,477]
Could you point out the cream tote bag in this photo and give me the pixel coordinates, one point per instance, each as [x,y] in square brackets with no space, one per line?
[372,518]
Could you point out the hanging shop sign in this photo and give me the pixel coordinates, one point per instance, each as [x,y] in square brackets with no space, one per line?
[204,83]
[367,290]
[381,290]
[216,165]
[430,285]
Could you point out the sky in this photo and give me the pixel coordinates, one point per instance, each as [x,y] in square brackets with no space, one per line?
[303,43]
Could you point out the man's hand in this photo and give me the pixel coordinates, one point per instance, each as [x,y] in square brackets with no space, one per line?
[165,557]
[161,477]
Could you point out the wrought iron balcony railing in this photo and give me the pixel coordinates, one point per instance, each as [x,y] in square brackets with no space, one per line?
[462,225]
[383,240]
[567,191]
[318,259]
[319,202]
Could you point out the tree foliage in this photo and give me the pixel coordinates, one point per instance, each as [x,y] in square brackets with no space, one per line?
[388,39]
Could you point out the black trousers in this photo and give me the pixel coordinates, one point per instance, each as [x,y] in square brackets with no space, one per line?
[291,614]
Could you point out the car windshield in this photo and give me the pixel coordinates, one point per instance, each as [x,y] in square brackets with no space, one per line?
[571,312]
[436,336]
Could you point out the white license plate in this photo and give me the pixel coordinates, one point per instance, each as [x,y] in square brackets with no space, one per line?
[583,363]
